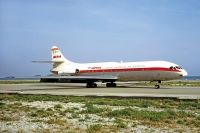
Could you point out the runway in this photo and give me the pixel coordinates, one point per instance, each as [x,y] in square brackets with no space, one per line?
[123,90]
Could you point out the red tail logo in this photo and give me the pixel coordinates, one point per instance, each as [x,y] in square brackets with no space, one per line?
[57,56]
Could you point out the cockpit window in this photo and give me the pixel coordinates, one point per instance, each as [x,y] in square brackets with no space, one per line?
[175,67]
[171,68]
[178,67]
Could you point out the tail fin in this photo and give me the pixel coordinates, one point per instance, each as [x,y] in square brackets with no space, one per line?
[57,57]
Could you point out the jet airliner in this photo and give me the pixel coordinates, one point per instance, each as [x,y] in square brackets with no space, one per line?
[110,72]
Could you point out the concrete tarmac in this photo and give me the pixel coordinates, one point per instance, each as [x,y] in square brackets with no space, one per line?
[123,90]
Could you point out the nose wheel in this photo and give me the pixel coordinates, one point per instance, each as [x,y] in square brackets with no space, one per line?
[157,86]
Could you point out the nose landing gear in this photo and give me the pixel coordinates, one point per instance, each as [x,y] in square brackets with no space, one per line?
[157,86]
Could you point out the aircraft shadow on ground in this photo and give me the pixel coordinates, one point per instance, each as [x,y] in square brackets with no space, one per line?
[139,86]
[99,86]
[44,89]
[64,86]
[60,85]
[51,87]
[79,87]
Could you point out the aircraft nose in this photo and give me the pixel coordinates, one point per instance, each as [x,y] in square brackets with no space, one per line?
[184,72]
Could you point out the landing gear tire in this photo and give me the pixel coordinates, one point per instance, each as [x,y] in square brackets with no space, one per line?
[111,85]
[91,85]
[157,86]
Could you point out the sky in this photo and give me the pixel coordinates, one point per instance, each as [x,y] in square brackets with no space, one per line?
[98,31]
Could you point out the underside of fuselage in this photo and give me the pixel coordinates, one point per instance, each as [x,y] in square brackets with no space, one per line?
[140,75]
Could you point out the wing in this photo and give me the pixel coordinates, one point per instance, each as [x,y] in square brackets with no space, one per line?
[79,79]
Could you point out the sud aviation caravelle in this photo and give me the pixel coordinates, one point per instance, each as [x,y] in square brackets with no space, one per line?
[110,72]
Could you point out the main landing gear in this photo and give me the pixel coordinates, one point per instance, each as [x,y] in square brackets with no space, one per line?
[111,84]
[157,86]
[91,85]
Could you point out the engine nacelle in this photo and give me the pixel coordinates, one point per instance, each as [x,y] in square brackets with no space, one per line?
[61,73]
[69,72]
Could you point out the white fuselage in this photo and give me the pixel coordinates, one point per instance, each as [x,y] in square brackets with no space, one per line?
[125,71]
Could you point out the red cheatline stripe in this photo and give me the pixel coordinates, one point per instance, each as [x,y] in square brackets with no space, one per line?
[129,70]
[55,49]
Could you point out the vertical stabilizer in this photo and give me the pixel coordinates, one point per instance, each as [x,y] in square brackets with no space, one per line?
[57,57]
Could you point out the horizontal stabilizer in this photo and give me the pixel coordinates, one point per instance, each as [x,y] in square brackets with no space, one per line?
[47,61]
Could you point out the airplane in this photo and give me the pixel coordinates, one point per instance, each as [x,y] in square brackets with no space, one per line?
[65,70]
